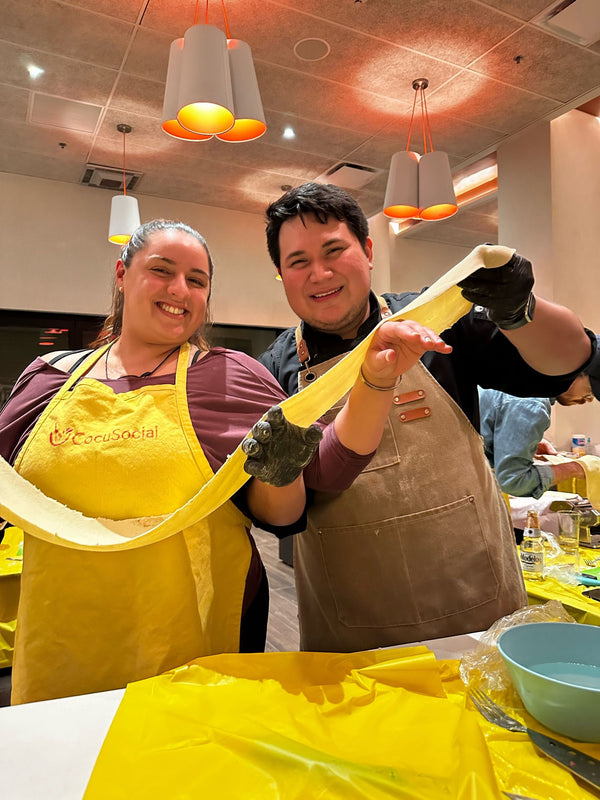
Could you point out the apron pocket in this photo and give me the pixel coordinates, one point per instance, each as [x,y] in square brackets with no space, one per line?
[415,568]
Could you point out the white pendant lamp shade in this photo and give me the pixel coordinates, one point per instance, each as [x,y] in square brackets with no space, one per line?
[170,123]
[402,193]
[205,95]
[437,199]
[249,115]
[124,218]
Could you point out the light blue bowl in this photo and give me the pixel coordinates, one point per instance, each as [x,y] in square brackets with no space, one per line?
[555,667]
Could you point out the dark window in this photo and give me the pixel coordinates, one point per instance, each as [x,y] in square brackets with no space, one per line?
[27,334]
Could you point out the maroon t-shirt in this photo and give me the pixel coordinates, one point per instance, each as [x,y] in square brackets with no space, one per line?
[227,393]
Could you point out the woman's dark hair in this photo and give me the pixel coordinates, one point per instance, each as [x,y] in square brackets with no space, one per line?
[139,240]
[322,200]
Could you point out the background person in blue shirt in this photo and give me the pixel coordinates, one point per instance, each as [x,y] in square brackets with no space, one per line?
[513,431]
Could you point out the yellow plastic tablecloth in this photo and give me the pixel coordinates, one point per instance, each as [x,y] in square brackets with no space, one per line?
[292,726]
[582,609]
[11,563]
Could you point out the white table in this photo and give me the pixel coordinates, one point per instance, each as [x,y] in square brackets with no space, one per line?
[48,749]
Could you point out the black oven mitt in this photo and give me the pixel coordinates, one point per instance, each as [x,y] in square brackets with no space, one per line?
[277,450]
[505,292]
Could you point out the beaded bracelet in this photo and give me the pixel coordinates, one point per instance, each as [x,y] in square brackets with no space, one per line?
[379,388]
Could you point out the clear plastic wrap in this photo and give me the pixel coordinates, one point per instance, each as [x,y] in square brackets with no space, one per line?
[483,668]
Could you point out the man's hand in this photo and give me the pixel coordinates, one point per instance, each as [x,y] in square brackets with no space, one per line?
[504,291]
[278,450]
[396,347]
[545,448]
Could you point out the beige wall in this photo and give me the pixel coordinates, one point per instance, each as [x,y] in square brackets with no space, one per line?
[56,256]
[416,264]
[548,201]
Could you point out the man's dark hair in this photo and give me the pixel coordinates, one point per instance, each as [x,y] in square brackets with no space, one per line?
[322,200]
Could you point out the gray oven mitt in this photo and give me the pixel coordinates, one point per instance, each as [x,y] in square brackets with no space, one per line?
[278,450]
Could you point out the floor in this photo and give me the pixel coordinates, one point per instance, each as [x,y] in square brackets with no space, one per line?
[282,631]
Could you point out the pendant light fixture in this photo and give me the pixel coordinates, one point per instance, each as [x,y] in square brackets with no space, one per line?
[211,87]
[420,185]
[124,210]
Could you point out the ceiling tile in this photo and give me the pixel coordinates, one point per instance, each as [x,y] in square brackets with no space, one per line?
[14,102]
[40,166]
[45,140]
[126,10]
[174,17]
[456,32]
[523,9]
[382,68]
[490,103]
[58,28]
[149,55]
[342,106]
[64,114]
[311,137]
[549,66]
[138,96]
[62,76]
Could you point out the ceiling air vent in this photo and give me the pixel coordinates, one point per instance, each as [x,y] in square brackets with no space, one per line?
[347,175]
[109,178]
[575,20]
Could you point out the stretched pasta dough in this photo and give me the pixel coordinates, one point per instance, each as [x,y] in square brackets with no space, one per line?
[22,504]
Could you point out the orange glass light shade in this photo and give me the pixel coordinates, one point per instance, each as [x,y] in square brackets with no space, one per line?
[175,129]
[440,211]
[170,123]
[244,130]
[436,191]
[249,115]
[205,97]
[402,193]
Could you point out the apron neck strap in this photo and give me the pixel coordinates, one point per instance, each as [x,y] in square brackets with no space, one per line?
[302,347]
[96,355]
[85,365]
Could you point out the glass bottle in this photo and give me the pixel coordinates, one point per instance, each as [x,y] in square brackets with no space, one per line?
[532,548]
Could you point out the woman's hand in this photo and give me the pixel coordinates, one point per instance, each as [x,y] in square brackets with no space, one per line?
[395,348]
[278,450]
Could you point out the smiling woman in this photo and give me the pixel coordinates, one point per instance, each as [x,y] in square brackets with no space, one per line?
[133,428]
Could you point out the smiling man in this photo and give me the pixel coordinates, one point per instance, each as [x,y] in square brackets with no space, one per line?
[421,546]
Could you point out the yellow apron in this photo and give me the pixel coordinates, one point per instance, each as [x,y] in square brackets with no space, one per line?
[91,621]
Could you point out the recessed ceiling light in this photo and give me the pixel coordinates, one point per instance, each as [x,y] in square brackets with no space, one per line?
[34,72]
[288,133]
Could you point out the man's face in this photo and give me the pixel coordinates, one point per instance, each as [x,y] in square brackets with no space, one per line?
[326,274]
[578,393]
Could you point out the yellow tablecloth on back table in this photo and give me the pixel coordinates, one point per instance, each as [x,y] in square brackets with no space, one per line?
[581,608]
[11,563]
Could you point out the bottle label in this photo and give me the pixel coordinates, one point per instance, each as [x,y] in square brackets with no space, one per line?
[532,562]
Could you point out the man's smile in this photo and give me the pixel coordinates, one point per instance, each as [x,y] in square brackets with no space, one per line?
[323,295]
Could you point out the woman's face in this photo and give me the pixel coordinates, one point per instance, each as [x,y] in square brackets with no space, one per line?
[165,289]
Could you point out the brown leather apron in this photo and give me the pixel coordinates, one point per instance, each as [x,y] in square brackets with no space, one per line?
[421,546]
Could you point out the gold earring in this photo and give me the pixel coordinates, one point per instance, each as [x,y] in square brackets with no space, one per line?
[120,290]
